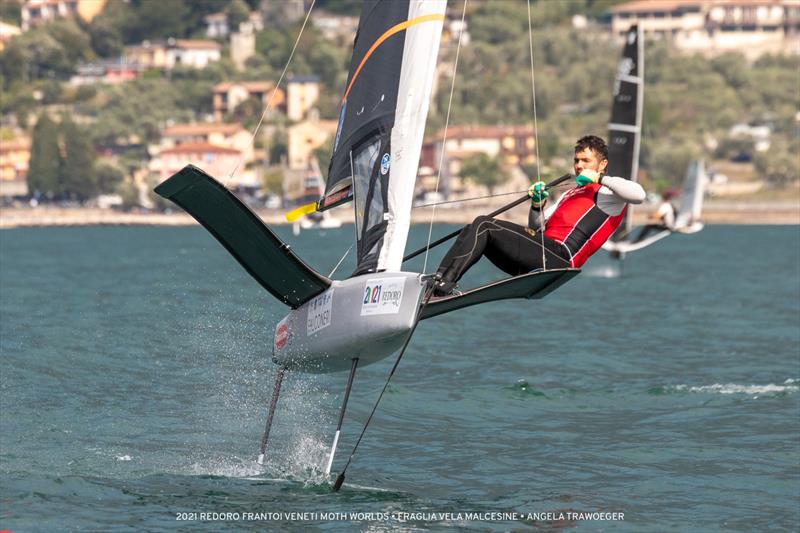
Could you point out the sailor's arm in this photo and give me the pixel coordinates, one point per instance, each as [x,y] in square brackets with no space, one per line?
[538,216]
[628,190]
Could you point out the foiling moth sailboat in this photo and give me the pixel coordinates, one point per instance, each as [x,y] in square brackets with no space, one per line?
[336,325]
[624,136]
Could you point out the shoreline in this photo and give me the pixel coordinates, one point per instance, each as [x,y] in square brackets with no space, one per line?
[764,213]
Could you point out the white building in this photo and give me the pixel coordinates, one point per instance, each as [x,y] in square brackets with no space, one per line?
[752,27]
[192,53]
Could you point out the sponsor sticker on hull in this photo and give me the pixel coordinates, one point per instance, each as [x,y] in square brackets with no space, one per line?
[382,296]
[320,312]
[282,334]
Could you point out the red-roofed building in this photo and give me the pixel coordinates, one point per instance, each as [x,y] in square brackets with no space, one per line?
[216,133]
[513,145]
[218,161]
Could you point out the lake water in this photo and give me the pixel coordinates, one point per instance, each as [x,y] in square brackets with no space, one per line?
[135,377]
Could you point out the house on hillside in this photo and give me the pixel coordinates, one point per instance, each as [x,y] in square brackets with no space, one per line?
[218,161]
[7,32]
[195,53]
[219,134]
[192,53]
[40,12]
[302,95]
[110,71]
[751,27]
[228,95]
[333,26]
[513,145]
[15,155]
[217,25]
[307,136]
[149,54]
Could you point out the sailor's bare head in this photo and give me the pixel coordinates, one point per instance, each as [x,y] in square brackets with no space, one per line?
[591,153]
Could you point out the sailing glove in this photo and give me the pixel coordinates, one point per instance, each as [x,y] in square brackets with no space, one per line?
[587,176]
[538,193]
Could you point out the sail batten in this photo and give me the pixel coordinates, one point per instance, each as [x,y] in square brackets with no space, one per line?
[381,123]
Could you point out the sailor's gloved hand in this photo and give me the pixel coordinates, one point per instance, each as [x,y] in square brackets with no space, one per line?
[538,193]
[587,176]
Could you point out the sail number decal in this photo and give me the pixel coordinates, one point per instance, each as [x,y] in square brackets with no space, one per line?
[320,312]
[382,296]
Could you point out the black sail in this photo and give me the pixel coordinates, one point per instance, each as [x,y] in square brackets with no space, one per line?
[625,126]
[381,122]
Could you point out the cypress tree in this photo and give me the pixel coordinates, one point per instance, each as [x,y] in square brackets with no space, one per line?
[78,180]
[43,169]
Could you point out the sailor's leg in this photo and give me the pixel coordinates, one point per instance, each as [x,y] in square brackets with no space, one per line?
[272,404]
[647,230]
[341,415]
[515,250]
[467,249]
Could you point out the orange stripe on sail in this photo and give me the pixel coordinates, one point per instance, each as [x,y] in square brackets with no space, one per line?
[388,33]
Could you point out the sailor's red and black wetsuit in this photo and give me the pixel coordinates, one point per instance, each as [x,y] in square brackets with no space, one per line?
[583,220]
[580,225]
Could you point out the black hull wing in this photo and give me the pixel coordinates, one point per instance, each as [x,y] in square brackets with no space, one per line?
[529,286]
[257,248]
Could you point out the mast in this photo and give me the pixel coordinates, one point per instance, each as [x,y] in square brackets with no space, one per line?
[625,126]
[381,125]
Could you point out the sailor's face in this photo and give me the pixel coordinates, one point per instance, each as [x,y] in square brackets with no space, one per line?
[589,159]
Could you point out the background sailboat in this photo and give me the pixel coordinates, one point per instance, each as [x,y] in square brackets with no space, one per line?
[624,137]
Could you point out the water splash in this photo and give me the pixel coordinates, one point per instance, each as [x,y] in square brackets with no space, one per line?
[604,271]
[787,387]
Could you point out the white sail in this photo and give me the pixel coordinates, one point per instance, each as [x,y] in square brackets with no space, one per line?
[691,201]
[414,93]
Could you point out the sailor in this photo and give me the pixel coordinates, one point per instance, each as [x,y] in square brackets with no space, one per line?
[574,228]
[662,219]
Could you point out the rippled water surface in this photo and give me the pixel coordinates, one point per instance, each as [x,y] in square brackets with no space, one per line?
[134,381]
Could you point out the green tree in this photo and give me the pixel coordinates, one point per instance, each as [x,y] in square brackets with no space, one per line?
[105,37]
[109,176]
[11,11]
[75,42]
[278,147]
[483,170]
[237,11]
[78,181]
[667,161]
[272,181]
[43,168]
[778,165]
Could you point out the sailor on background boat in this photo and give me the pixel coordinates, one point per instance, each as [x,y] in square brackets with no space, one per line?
[576,227]
[662,219]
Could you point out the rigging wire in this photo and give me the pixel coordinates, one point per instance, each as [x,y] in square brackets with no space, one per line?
[432,204]
[444,137]
[340,261]
[269,105]
[536,131]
